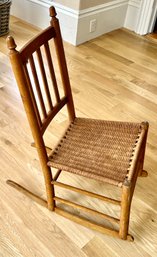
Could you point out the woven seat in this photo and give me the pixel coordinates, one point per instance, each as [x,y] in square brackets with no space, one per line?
[102,150]
[107,151]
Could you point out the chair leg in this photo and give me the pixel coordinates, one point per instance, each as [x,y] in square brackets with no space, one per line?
[49,188]
[127,193]
[47,175]
[125,212]
[142,172]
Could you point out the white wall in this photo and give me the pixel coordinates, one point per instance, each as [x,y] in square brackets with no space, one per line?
[132,14]
[109,16]
[75,17]
[37,13]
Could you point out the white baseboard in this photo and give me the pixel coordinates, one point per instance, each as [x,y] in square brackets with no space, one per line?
[30,12]
[37,13]
[109,16]
[132,14]
[74,24]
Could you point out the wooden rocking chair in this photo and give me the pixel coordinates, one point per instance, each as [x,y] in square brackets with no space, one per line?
[108,151]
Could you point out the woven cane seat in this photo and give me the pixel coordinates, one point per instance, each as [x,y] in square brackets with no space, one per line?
[102,150]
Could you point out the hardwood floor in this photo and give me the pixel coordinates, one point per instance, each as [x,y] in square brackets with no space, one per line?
[113,77]
[152,36]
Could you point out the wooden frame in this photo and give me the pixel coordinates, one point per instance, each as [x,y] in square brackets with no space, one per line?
[40,119]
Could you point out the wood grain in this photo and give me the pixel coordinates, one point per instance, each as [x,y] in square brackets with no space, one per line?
[112,77]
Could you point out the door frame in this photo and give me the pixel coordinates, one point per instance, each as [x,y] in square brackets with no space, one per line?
[147,17]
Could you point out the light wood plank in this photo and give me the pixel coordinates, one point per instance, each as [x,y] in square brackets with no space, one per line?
[113,77]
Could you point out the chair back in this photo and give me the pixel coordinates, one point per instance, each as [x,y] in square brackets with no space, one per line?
[33,67]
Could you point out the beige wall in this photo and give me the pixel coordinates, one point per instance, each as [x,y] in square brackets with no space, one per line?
[81,4]
[90,3]
[74,4]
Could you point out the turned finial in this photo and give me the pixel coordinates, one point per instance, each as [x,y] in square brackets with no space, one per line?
[145,124]
[11,43]
[52,12]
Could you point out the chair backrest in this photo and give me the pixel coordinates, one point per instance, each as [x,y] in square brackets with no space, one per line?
[34,71]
